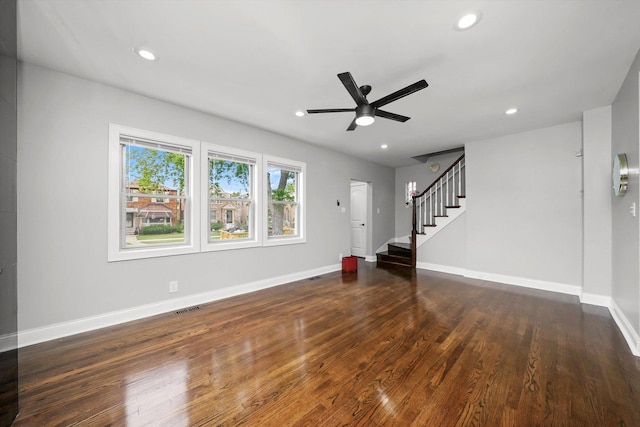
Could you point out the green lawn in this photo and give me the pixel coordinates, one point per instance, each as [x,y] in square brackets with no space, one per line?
[170,236]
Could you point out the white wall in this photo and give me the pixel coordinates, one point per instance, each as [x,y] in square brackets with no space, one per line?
[524,206]
[447,250]
[596,148]
[64,277]
[625,228]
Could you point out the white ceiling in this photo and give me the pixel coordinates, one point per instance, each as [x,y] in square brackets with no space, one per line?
[258,62]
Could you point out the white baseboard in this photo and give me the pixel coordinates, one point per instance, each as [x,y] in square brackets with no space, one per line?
[629,333]
[595,299]
[508,280]
[525,282]
[458,271]
[59,330]
[370,258]
[8,342]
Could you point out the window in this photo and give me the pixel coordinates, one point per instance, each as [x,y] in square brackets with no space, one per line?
[231,181]
[409,191]
[171,196]
[284,208]
[146,168]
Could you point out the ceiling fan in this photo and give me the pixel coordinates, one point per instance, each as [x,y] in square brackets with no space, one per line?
[365,111]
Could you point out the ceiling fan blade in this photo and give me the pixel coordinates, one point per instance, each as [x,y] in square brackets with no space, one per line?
[352,88]
[353,125]
[331,110]
[400,93]
[392,116]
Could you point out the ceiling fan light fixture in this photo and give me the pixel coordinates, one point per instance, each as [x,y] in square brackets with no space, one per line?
[365,120]
[365,115]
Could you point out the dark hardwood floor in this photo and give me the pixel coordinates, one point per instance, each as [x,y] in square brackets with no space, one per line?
[376,348]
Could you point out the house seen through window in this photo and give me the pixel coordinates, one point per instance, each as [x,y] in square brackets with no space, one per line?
[156,175]
[231,197]
[170,195]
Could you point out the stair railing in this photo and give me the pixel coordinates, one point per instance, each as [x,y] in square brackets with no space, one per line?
[435,199]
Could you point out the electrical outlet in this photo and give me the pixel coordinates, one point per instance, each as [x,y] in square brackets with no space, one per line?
[173,286]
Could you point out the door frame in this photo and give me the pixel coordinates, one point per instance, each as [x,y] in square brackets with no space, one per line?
[369,219]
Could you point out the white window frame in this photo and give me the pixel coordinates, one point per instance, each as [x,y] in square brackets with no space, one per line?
[255,239]
[115,218]
[301,213]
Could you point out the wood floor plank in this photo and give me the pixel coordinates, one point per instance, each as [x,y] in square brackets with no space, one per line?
[376,348]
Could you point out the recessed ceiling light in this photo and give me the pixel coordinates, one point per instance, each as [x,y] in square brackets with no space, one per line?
[145,53]
[468,20]
[299,113]
[384,146]
[511,111]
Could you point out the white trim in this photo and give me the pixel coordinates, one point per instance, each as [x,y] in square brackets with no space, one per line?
[255,159]
[458,271]
[371,258]
[595,299]
[59,330]
[512,280]
[301,215]
[8,342]
[526,283]
[114,251]
[629,334]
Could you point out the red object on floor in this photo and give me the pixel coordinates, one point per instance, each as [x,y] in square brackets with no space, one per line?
[349,264]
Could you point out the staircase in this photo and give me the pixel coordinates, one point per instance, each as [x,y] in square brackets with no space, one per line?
[397,255]
[433,209]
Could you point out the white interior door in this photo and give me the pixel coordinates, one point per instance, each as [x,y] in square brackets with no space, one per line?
[358,218]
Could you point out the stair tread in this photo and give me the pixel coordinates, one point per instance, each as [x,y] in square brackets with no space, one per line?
[392,265]
[386,258]
[386,254]
[453,206]
[461,196]
[401,245]
[429,225]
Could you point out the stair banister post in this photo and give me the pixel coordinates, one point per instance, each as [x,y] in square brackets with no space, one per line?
[413,233]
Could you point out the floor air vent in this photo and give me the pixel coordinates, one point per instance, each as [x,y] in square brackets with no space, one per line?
[188,310]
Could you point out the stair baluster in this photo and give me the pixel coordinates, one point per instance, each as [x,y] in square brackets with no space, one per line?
[444,192]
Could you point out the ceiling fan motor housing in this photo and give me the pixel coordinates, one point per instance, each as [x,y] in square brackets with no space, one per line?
[365,110]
